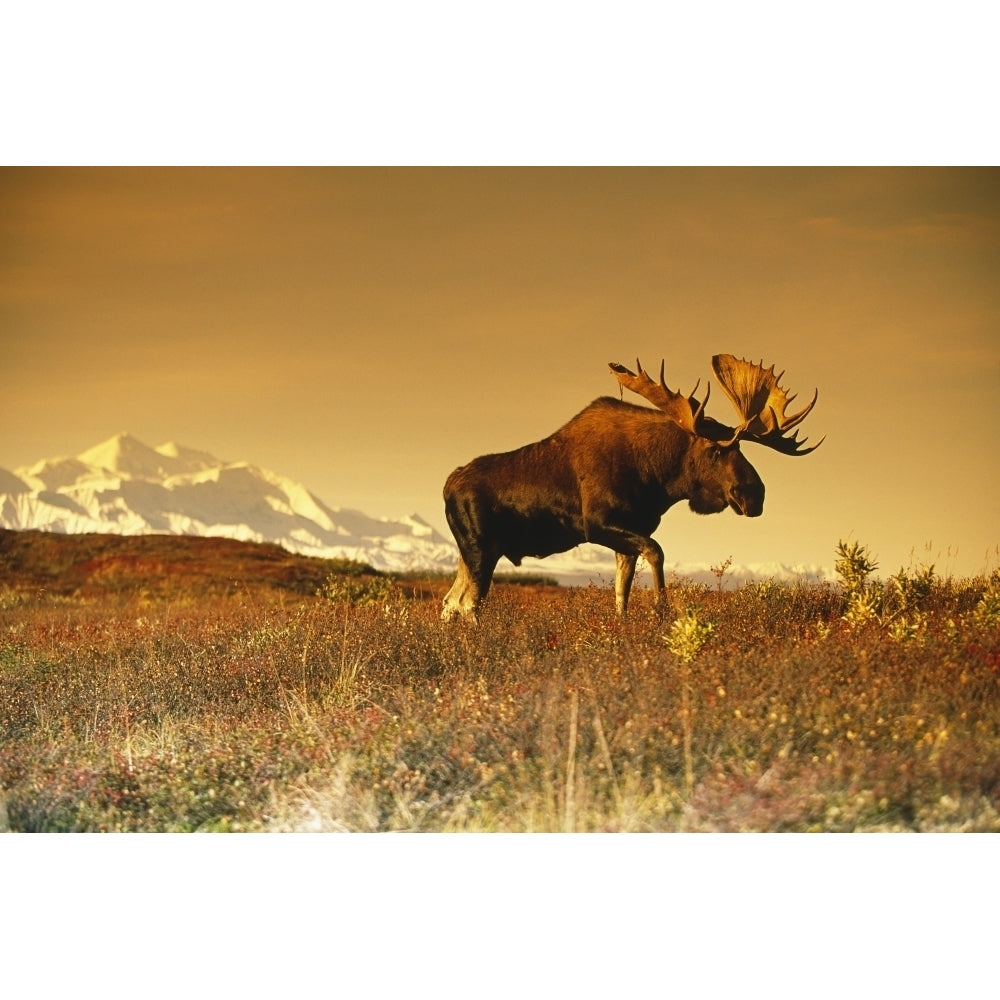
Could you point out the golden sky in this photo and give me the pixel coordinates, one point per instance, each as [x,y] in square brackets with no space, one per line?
[367,330]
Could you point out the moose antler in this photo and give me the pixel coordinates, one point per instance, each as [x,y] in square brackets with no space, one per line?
[684,410]
[760,402]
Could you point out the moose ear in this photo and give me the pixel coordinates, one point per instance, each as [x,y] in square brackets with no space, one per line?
[683,410]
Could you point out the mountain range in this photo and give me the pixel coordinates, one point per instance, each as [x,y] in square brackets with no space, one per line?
[123,486]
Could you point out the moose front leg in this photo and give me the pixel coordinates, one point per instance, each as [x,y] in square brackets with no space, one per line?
[624,574]
[627,547]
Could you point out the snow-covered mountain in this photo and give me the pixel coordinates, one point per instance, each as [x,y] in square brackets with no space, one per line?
[123,486]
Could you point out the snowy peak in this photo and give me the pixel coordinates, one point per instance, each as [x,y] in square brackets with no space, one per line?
[129,458]
[122,486]
[189,458]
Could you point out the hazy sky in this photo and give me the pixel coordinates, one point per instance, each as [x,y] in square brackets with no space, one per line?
[365,331]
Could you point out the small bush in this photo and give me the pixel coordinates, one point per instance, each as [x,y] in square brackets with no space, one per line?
[893,606]
[355,591]
[854,565]
[688,635]
[987,611]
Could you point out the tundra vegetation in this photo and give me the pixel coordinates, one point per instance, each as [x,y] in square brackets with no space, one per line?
[165,684]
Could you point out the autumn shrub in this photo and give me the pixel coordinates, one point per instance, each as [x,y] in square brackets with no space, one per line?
[986,614]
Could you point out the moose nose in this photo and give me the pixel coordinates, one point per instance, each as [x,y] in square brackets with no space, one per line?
[749,503]
[753,504]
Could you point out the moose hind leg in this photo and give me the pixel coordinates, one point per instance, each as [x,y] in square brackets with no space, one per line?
[471,585]
[462,601]
[477,558]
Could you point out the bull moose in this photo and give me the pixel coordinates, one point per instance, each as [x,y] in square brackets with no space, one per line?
[610,474]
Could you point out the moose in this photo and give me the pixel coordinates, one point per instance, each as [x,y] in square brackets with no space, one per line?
[610,473]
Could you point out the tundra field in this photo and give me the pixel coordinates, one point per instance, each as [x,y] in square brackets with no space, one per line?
[180,684]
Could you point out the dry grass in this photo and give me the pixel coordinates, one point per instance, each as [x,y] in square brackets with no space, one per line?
[246,707]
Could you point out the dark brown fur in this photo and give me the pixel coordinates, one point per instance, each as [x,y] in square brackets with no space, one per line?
[606,477]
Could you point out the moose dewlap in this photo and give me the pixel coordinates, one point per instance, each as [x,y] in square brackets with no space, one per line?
[611,473]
